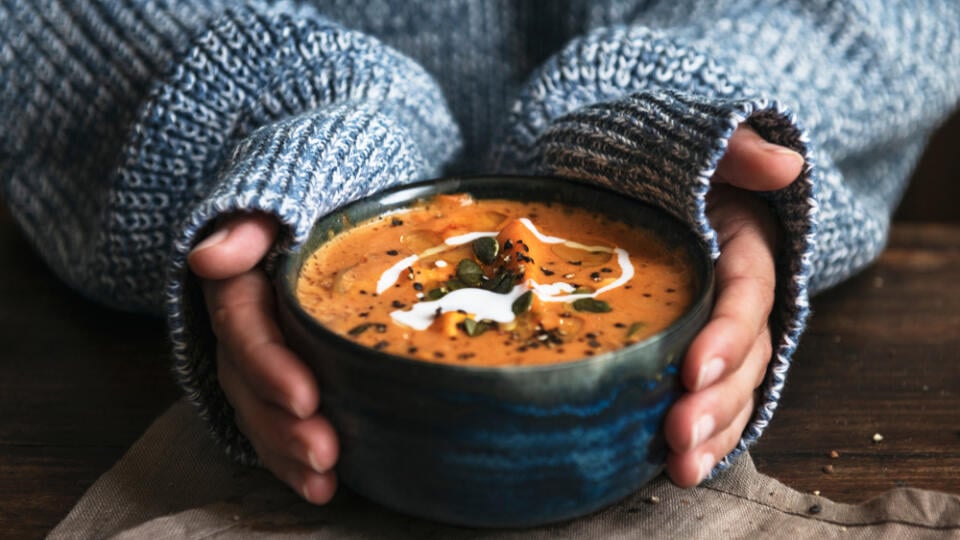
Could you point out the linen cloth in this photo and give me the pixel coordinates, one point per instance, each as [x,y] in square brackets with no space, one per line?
[176,483]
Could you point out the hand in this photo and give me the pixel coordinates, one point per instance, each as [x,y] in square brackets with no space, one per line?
[274,394]
[727,361]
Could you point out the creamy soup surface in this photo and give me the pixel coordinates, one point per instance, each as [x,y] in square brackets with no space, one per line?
[495,282]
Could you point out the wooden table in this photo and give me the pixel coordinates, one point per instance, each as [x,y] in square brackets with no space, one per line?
[79,383]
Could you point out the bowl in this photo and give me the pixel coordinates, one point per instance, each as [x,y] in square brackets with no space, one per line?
[497,446]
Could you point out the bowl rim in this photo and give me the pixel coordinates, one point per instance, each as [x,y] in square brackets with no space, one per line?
[405,195]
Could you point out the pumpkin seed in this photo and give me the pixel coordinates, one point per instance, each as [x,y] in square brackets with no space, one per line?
[359,329]
[486,249]
[501,283]
[523,303]
[592,305]
[435,294]
[475,328]
[635,328]
[469,272]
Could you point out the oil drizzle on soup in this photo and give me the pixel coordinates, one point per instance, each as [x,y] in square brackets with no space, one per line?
[495,282]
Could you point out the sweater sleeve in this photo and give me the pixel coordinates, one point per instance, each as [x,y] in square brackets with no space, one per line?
[852,86]
[134,125]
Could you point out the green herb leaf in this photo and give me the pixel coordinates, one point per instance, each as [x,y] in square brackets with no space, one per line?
[592,305]
[469,272]
[582,290]
[486,249]
[523,303]
[454,284]
[359,329]
[635,328]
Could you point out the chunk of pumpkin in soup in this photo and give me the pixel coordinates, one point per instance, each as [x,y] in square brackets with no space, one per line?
[522,251]
[495,282]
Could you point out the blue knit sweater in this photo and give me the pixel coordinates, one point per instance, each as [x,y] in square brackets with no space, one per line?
[130,125]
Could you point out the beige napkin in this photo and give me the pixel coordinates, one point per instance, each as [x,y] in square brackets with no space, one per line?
[174,483]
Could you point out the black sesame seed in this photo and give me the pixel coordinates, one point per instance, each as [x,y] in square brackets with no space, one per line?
[508,245]
[619,325]
[411,350]
[547,272]
[595,276]
[606,270]
[393,253]
[815,509]
[398,304]
[417,286]
[363,315]
[396,222]
[438,354]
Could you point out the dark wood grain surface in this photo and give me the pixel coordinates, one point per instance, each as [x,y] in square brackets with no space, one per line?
[79,383]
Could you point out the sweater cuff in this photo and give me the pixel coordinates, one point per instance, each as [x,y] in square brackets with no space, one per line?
[663,148]
[281,169]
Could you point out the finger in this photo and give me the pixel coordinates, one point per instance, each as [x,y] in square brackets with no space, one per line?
[312,442]
[242,316]
[316,488]
[745,284]
[237,245]
[687,469]
[698,416]
[752,163]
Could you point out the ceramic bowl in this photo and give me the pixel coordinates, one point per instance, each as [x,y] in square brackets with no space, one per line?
[498,446]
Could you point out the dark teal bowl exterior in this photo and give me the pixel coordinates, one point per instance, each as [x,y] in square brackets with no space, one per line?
[498,446]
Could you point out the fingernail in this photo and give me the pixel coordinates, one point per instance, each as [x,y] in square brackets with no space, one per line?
[313,461]
[710,373]
[218,236]
[702,429]
[305,490]
[707,461]
[784,151]
[299,408]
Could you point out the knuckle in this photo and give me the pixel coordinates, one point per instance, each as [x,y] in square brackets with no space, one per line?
[221,319]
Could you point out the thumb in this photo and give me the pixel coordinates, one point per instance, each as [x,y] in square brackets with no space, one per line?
[235,246]
[754,164]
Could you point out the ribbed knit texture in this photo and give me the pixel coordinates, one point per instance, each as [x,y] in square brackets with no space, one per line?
[130,126]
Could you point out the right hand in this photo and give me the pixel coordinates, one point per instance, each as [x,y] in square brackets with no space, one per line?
[274,394]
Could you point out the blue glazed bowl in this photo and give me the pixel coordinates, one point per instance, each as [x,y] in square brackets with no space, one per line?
[498,446]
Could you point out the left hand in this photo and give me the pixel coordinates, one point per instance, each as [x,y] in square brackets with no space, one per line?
[727,361]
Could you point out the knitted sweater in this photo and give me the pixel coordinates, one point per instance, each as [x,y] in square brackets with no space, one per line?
[130,125]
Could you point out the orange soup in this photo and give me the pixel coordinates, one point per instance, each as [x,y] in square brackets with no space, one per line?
[495,282]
